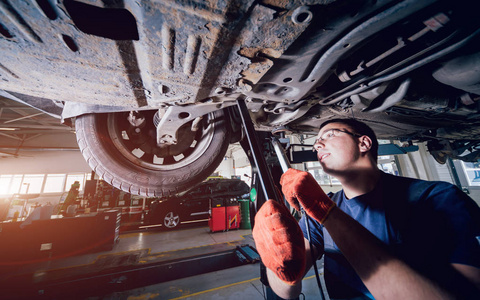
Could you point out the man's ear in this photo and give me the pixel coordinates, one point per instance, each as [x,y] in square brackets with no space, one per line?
[365,143]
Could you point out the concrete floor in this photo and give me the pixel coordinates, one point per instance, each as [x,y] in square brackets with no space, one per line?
[150,247]
[234,283]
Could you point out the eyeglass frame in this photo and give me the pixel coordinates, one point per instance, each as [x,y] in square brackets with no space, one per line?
[320,139]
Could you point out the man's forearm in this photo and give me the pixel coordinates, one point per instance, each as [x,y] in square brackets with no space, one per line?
[386,276]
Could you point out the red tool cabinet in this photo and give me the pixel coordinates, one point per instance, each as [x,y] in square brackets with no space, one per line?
[224,215]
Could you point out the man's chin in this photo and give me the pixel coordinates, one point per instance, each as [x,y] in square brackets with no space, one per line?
[327,170]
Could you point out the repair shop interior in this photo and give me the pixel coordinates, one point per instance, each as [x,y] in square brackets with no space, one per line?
[139,139]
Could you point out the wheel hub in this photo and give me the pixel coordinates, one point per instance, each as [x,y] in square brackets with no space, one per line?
[137,140]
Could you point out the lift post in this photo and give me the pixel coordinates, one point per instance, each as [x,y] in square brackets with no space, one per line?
[264,174]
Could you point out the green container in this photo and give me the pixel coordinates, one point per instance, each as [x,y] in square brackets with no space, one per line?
[245,213]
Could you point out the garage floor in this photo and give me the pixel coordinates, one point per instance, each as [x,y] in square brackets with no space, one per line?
[146,265]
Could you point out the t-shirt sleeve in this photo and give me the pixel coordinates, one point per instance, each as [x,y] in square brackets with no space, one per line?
[462,215]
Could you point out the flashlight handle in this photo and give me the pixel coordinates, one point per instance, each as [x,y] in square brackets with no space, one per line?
[280,152]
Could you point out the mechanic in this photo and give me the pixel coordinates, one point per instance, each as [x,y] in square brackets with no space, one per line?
[383,236]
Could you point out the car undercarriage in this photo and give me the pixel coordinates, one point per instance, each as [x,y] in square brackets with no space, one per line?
[151,86]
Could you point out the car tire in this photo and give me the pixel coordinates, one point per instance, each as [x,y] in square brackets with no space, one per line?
[171,220]
[101,139]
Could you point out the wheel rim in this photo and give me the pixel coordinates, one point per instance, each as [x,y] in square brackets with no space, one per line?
[171,220]
[145,154]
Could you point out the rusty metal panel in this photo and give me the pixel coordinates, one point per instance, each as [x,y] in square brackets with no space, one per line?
[173,52]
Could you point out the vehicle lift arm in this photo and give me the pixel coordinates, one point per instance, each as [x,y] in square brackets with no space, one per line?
[264,174]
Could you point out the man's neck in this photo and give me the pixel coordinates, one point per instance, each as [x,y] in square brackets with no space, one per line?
[359,183]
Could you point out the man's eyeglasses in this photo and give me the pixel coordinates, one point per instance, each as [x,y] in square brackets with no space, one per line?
[331,133]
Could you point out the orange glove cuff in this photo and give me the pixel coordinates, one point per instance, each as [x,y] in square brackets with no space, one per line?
[321,211]
[300,188]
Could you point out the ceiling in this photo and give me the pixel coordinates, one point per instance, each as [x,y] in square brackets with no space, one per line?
[26,129]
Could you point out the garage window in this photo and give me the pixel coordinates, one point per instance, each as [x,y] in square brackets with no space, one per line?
[54,183]
[10,184]
[32,184]
[71,178]
[40,183]
[322,178]
[472,172]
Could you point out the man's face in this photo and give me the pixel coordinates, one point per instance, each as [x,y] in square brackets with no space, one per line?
[337,147]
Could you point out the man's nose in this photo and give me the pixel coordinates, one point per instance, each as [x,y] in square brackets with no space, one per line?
[318,145]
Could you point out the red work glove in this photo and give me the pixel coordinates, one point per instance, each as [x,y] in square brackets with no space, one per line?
[299,186]
[279,241]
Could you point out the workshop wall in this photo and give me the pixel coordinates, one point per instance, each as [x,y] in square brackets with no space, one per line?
[44,162]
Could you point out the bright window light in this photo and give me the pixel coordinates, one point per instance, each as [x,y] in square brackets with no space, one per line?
[5,181]
[54,183]
[16,184]
[32,184]
[71,178]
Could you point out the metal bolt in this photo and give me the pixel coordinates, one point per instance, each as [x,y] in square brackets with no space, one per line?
[302,15]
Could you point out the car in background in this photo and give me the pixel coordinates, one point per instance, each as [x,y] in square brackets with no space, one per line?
[195,204]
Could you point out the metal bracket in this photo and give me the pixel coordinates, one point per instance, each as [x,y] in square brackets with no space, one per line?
[176,116]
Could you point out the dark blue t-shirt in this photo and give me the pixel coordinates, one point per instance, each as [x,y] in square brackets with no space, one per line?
[427,224]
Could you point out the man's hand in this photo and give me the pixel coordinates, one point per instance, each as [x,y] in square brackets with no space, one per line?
[301,187]
[279,241]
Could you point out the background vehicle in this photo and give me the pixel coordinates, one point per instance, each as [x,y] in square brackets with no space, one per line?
[195,204]
[152,85]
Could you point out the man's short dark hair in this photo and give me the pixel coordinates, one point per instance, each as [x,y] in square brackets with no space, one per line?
[359,128]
